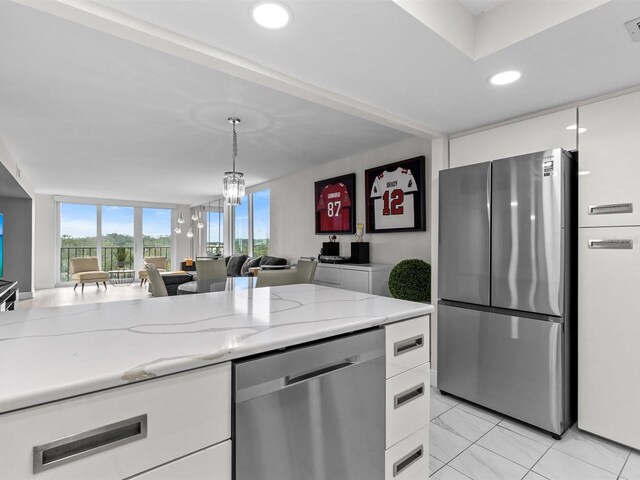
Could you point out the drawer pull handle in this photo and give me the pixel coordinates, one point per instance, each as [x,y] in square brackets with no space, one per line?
[320,371]
[408,460]
[408,396]
[408,344]
[609,209]
[626,244]
[81,445]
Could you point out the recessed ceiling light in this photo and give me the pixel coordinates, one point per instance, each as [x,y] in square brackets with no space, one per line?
[573,127]
[504,78]
[271,14]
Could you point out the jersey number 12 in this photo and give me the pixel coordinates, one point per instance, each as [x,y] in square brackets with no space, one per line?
[393,202]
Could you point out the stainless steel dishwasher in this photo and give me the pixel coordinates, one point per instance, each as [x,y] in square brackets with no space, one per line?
[315,412]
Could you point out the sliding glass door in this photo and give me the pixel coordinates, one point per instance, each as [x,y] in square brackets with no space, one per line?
[117,238]
[156,233]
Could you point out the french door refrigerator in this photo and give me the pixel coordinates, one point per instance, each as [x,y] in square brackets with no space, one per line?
[506,304]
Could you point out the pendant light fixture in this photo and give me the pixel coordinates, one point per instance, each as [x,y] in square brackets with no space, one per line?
[200,223]
[181,218]
[190,232]
[233,182]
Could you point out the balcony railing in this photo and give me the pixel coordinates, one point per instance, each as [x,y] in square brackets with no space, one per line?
[109,260]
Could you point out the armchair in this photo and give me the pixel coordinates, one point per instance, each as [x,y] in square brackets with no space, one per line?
[87,270]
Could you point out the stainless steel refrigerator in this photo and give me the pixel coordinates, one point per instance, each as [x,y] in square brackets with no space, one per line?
[506,286]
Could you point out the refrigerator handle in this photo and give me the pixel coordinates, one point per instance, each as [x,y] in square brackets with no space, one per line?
[614,244]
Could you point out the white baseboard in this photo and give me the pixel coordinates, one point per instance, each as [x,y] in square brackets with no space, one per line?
[25,295]
[434,378]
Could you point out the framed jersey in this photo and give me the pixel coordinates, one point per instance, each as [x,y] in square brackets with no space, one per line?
[335,205]
[396,197]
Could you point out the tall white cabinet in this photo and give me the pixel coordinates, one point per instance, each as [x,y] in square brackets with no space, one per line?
[609,269]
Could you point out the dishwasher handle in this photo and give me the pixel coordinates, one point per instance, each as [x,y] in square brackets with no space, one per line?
[318,372]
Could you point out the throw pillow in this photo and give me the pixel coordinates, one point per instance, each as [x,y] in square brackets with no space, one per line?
[268,260]
[249,263]
[235,264]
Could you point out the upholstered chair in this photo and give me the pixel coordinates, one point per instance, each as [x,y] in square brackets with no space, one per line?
[303,273]
[87,270]
[161,264]
[156,284]
[214,270]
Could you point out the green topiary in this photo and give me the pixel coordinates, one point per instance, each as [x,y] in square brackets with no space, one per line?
[411,280]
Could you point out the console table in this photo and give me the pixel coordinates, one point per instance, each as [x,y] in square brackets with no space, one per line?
[8,295]
[366,277]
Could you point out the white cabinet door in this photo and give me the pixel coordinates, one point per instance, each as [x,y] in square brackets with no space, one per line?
[609,333]
[610,162]
[213,463]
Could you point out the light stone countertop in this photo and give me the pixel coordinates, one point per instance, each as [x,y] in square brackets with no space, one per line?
[53,353]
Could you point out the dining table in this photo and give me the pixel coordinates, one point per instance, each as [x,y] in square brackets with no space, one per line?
[207,286]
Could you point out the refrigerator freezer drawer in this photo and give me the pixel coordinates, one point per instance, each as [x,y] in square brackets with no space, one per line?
[465,230]
[608,333]
[528,238]
[506,363]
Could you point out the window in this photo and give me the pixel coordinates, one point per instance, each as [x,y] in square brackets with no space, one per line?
[117,238]
[261,219]
[241,227]
[156,233]
[120,236]
[78,235]
[215,228]
[251,225]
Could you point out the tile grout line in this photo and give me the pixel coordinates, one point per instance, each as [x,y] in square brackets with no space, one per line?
[466,448]
[624,464]
[537,461]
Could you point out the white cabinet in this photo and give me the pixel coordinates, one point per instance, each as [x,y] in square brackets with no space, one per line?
[407,399]
[609,333]
[118,432]
[610,162]
[213,463]
[365,278]
[527,136]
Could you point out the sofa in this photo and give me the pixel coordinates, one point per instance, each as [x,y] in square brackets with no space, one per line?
[238,265]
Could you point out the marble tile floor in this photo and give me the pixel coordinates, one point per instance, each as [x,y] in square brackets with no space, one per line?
[55,297]
[469,442]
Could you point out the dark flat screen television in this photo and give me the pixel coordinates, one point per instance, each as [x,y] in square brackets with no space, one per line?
[1,245]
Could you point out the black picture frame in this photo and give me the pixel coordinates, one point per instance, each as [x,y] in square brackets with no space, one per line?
[414,187]
[349,187]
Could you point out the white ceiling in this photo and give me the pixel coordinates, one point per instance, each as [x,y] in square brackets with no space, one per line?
[375,52]
[478,7]
[87,112]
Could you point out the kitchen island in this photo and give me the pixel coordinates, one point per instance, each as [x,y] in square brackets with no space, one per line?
[163,366]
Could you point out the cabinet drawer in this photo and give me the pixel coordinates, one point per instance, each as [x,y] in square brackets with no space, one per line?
[213,463]
[355,280]
[119,432]
[407,345]
[409,459]
[406,403]
[327,276]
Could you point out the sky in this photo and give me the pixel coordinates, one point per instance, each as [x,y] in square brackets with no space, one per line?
[80,220]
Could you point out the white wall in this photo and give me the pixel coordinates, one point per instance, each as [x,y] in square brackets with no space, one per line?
[292,208]
[45,241]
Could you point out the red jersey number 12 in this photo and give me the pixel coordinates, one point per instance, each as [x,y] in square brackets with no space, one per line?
[393,202]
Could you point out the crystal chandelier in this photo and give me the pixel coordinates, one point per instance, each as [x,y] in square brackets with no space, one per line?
[233,183]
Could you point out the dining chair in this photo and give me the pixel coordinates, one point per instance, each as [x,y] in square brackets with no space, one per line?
[156,285]
[215,270]
[303,273]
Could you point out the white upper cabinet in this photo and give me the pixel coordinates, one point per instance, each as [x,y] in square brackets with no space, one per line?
[610,162]
[527,136]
